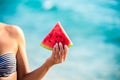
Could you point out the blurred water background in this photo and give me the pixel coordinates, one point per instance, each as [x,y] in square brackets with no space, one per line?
[92,25]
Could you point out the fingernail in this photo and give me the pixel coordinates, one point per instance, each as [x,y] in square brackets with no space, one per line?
[60,43]
[55,45]
[65,45]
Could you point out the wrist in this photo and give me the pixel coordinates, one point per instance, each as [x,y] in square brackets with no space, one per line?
[49,63]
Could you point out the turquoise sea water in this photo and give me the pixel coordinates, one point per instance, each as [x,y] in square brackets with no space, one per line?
[92,25]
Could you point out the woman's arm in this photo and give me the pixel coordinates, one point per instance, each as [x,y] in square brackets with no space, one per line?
[59,53]
[58,56]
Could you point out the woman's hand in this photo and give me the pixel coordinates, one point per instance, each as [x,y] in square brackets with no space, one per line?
[59,54]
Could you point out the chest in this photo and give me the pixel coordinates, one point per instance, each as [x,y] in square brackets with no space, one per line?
[4,38]
[7,43]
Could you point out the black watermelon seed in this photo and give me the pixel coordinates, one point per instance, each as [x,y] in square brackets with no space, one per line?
[60,36]
[55,41]
[49,40]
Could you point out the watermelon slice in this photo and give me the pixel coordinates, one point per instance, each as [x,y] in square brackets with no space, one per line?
[56,35]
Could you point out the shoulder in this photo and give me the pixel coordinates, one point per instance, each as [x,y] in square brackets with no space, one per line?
[14,31]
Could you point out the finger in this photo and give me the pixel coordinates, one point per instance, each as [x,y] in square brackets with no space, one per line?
[61,47]
[65,51]
[53,52]
[57,51]
[61,53]
[56,48]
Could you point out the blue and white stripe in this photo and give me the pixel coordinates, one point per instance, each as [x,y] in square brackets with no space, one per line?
[7,64]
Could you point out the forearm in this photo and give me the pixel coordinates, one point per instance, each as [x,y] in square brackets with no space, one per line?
[39,73]
[58,56]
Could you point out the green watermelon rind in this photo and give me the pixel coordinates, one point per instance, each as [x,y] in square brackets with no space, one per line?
[70,45]
[49,48]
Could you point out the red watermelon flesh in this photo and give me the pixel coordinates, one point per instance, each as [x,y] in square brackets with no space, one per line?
[56,35]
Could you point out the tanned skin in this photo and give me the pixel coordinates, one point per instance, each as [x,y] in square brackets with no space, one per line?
[12,41]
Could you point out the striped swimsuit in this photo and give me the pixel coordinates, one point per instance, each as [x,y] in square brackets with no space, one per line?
[7,64]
